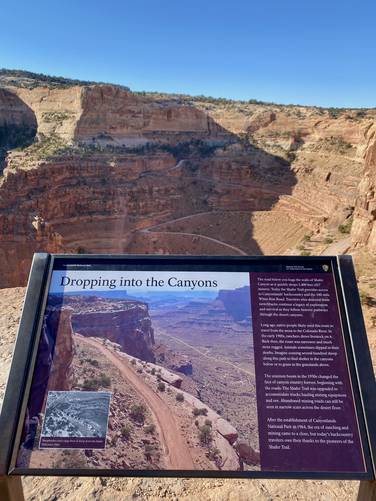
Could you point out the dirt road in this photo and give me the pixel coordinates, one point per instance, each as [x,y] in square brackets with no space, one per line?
[177,453]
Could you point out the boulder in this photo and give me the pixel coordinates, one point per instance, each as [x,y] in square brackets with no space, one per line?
[226,430]
[246,453]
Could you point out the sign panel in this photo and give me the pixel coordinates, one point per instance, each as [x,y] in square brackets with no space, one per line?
[202,367]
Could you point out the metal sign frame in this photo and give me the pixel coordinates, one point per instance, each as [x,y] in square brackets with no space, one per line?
[19,382]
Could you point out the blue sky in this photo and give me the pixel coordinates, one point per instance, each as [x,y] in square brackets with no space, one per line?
[287,51]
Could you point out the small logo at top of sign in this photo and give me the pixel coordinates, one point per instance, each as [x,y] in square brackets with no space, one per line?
[325,267]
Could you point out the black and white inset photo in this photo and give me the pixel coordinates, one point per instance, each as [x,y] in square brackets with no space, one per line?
[75,419]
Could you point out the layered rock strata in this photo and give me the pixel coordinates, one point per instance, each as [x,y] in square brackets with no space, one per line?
[364,226]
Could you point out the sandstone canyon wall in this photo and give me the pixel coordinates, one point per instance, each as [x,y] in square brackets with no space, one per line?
[114,171]
[364,226]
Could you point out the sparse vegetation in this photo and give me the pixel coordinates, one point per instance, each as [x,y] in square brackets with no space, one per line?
[30,80]
[149,452]
[126,432]
[205,434]
[97,382]
[161,386]
[180,397]
[105,380]
[150,428]
[305,253]
[346,226]
[137,412]
[152,371]
[328,240]
[214,454]
[335,112]
[93,362]
[133,361]
[366,299]
[57,117]
[200,411]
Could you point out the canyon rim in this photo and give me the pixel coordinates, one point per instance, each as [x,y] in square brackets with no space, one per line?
[94,168]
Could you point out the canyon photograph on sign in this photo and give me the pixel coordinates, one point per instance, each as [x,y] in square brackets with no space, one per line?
[169,363]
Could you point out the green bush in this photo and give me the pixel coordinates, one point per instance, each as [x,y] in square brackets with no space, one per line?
[91,384]
[346,226]
[200,412]
[150,428]
[205,434]
[137,412]
[180,397]
[126,432]
[95,383]
[149,451]
[104,380]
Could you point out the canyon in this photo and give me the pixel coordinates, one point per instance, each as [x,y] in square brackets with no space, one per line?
[94,168]
[101,169]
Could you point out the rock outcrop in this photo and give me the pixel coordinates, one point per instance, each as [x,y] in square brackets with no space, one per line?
[236,302]
[126,323]
[115,171]
[364,226]
[54,363]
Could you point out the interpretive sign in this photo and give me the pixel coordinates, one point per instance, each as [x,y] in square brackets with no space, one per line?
[198,366]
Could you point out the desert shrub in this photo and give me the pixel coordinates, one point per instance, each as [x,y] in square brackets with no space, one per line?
[150,428]
[149,451]
[137,412]
[180,397]
[91,384]
[346,227]
[92,362]
[133,361]
[328,240]
[335,112]
[306,238]
[152,371]
[208,422]
[366,299]
[205,434]
[305,253]
[161,386]
[95,383]
[214,454]
[126,432]
[104,380]
[139,370]
[200,412]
